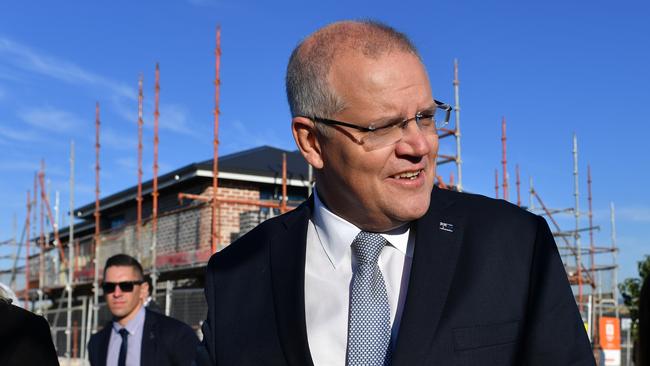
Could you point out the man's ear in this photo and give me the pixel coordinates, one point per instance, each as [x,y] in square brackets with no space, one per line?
[306,136]
[145,290]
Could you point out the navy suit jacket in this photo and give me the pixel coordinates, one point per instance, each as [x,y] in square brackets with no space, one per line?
[165,341]
[25,338]
[487,287]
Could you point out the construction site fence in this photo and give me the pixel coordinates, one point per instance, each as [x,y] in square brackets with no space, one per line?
[183,240]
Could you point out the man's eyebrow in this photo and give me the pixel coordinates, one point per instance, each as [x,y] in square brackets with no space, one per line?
[384,121]
[430,107]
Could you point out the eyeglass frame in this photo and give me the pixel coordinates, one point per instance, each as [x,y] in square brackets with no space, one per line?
[332,122]
[115,285]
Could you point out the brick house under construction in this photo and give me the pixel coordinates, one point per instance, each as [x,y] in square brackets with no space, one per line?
[183,240]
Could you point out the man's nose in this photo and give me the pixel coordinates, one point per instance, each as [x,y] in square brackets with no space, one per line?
[415,141]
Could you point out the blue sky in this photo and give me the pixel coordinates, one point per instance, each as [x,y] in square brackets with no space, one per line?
[551,68]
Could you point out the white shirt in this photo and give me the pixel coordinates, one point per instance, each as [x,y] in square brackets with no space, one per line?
[328,273]
[134,346]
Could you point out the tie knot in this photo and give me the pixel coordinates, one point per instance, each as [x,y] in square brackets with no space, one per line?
[123,332]
[367,246]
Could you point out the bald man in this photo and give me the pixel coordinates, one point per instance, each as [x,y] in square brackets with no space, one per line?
[379,267]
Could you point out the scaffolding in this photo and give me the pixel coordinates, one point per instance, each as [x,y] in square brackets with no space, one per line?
[587,281]
[455,181]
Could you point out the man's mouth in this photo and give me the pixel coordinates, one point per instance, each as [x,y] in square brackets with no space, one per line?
[410,175]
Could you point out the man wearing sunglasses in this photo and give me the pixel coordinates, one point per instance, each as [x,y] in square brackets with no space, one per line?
[379,267]
[137,336]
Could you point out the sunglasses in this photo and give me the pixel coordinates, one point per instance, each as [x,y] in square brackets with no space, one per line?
[125,286]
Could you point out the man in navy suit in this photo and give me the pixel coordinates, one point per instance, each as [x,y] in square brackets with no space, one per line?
[379,267]
[136,335]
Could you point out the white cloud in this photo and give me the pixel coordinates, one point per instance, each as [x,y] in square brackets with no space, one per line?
[19,135]
[174,118]
[19,165]
[121,140]
[50,119]
[637,214]
[25,58]
[631,213]
[127,163]
[236,135]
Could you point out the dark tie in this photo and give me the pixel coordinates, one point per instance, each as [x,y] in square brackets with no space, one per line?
[369,318]
[121,360]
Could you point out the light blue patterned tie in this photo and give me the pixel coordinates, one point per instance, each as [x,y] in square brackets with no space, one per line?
[369,318]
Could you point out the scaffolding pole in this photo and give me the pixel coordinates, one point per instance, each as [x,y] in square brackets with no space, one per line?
[459,161]
[496,183]
[504,160]
[45,202]
[576,213]
[28,229]
[68,287]
[531,194]
[96,239]
[592,263]
[518,185]
[138,226]
[41,244]
[612,215]
[154,194]
[19,247]
[214,204]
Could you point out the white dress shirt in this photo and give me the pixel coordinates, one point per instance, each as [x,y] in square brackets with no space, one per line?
[328,274]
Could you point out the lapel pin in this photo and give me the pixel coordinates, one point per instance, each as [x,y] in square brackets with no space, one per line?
[446,227]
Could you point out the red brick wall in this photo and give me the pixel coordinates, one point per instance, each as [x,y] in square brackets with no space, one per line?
[228,214]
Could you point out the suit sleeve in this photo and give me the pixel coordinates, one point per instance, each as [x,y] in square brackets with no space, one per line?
[205,352]
[186,342]
[554,333]
[37,343]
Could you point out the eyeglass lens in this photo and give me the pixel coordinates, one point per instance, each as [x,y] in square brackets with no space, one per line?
[126,286]
[388,136]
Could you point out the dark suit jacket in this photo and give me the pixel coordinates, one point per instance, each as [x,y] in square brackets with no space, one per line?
[25,338]
[493,291]
[165,341]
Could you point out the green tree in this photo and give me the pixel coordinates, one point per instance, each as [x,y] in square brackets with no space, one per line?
[631,290]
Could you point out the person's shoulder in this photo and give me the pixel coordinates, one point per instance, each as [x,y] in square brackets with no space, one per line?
[169,326]
[486,209]
[104,332]
[166,321]
[252,244]
[22,317]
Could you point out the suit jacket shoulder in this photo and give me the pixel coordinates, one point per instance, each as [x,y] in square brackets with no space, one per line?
[254,289]
[98,346]
[167,341]
[253,243]
[25,338]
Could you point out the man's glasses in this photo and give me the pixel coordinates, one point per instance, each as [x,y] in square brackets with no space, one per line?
[125,286]
[384,134]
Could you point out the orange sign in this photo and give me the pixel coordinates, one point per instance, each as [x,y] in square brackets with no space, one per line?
[610,333]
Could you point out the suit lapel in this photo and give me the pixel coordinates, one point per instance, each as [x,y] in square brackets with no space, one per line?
[104,338]
[287,256]
[437,245]
[148,349]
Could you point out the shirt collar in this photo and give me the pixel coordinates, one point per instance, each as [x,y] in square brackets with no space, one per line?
[336,234]
[134,325]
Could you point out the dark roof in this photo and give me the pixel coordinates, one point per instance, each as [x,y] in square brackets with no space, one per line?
[263,161]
